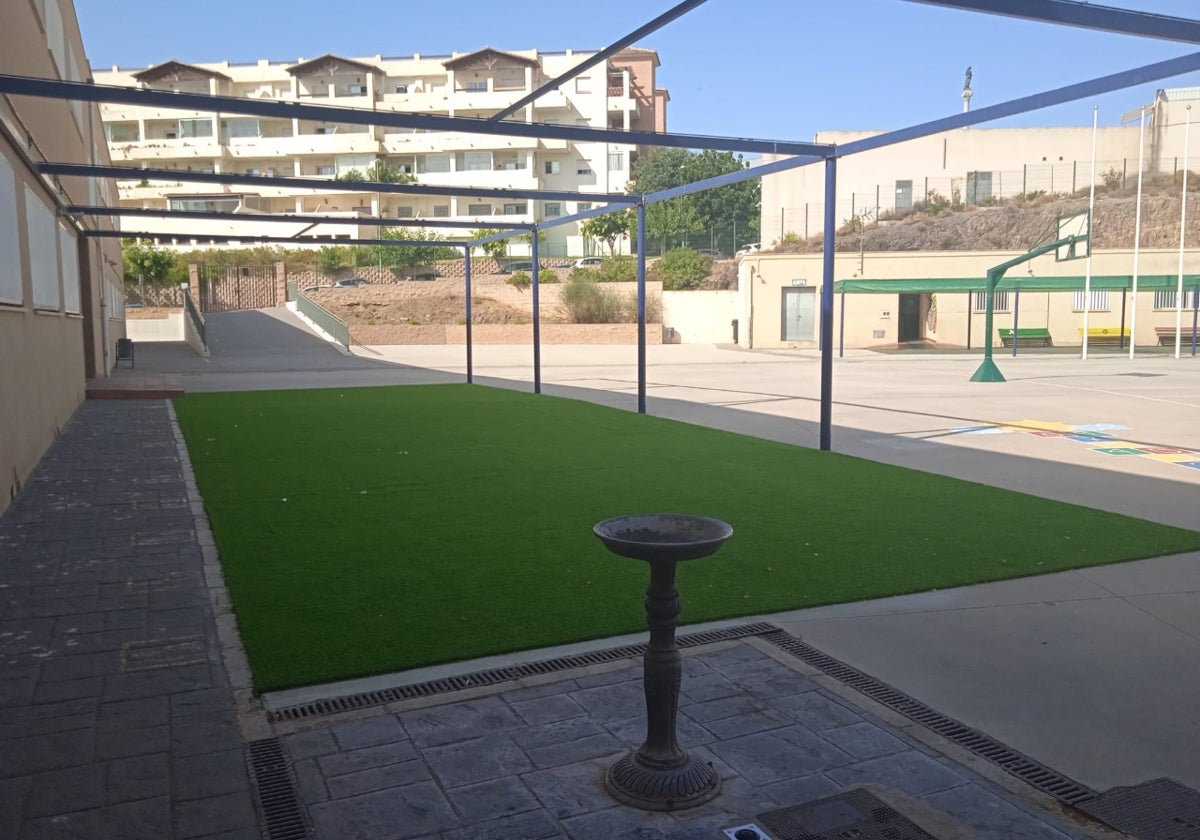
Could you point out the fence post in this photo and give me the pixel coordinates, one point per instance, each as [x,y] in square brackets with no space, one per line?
[876,204]
[1024,179]
[782,211]
[806,220]
[281,282]
[1124,172]
[1074,170]
[926,190]
[194,285]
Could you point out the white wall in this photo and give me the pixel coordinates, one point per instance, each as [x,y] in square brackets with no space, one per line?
[700,317]
[169,328]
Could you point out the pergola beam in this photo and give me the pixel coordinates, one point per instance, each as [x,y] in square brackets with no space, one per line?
[57,89]
[366,221]
[191,236]
[1083,15]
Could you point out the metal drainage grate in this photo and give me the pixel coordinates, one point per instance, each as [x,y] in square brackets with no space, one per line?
[854,813]
[280,815]
[381,697]
[1061,787]
[1162,809]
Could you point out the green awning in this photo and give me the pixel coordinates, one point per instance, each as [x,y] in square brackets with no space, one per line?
[1029,284]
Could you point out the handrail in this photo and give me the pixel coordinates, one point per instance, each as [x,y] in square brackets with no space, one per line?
[323,318]
[196,318]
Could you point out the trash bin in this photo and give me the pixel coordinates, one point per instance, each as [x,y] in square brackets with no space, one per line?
[734,324]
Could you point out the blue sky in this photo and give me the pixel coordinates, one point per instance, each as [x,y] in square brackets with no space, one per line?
[780,69]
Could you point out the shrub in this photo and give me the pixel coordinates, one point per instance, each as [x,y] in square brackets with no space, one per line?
[585,302]
[584,274]
[620,269]
[519,280]
[330,258]
[682,269]
[547,276]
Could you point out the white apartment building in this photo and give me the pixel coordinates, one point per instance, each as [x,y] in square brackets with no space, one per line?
[618,94]
[977,166]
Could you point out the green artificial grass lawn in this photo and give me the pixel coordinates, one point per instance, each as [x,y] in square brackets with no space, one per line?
[369,530]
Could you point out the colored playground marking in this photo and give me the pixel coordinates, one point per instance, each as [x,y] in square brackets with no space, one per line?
[1098,436]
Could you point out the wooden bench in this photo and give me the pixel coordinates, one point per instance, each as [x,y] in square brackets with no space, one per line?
[1166,335]
[1026,336]
[1106,335]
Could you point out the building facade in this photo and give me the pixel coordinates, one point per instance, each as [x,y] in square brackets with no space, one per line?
[621,93]
[61,308]
[976,166]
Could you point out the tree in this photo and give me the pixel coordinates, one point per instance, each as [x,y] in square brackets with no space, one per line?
[410,256]
[610,227]
[380,172]
[739,204]
[145,263]
[497,250]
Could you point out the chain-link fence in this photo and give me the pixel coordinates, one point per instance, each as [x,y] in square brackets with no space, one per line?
[721,240]
[140,293]
[905,195]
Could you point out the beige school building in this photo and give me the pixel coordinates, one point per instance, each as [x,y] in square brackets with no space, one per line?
[937,298]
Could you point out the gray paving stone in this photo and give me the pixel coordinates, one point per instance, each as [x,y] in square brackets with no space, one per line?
[369,732]
[210,702]
[569,752]
[377,778]
[988,817]
[310,743]
[615,675]
[164,681]
[767,757]
[18,686]
[200,817]
[534,825]
[865,740]
[816,711]
[720,660]
[632,731]
[411,810]
[139,777]
[42,753]
[51,692]
[64,791]
[613,702]
[621,823]
[705,687]
[143,711]
[802,789]
[310,783]
[726,707]
[767,678]
[732,727]
[468,719]
[570,790]
[208,774]
[534,691]
[146,819]
[738,800]
[910,771]
[555,733]
[547,709]
[12,801]
[368,758]
[492,799]
[198,735]
[476,760]
[126,742]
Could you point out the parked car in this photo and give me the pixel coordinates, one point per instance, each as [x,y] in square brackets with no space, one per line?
[746,250]
[518,265]
[588,262]
[351,283]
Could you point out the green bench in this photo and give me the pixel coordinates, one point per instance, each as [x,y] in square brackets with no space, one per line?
[1026,336]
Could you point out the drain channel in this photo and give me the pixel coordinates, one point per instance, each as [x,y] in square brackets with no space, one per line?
[1062,788]
[280,815]
[493,676]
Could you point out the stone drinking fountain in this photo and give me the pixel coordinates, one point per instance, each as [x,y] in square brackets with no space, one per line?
[659,775]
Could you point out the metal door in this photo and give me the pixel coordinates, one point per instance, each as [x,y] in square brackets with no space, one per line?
[799,314]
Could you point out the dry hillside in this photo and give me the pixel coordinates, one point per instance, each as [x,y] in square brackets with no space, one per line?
[1020,224]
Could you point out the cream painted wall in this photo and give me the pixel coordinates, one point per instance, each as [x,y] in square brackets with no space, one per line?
[46,355]
[699,317]
[169,328]
[762,277]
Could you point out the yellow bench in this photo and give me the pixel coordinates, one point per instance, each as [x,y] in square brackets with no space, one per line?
[1105,335]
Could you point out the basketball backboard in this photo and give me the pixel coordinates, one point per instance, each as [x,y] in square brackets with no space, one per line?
[1073,224]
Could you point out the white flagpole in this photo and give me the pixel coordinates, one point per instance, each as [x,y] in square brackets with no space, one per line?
[1187,134]
[1137,234]
[1087,277]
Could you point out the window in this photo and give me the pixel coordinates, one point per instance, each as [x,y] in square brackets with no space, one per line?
[479,209]
[441,210]
[583,206]
[358,90]
[1165,299]
[552,167]
[583,84]
[616,161]
[979,187]
[43,252]
[325,170]
[476,161]
[904,195]
[401,89]
[126,132]
[582,168]
[551,209]
[68,251]
[10,275]
[1099,301]
[999,303]
[515,209]
[433,163]
[477,86]
[404,212]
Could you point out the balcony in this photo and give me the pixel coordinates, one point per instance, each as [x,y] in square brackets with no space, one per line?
[157,150]
[514,179]
[306,144]
[427,142]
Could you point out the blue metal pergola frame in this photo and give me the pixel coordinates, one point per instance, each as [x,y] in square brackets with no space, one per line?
[1062,12]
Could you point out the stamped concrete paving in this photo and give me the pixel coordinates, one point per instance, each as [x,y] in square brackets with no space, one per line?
[529,761]
[116,719]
